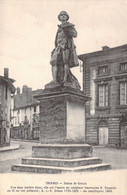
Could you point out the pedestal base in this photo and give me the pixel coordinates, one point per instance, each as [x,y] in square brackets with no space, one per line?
[62,151]
[61,158]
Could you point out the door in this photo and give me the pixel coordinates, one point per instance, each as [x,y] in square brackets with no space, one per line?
[103,135]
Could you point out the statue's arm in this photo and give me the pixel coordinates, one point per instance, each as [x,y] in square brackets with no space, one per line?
[71,32]
[74,32]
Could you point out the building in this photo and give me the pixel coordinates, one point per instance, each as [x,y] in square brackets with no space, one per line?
[6,89]
[105,81]
[25,114]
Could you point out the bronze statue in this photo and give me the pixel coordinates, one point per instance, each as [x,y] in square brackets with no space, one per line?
[64,56]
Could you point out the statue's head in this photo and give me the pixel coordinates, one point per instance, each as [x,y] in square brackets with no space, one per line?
[63,13]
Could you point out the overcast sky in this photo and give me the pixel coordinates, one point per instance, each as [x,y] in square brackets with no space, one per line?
[28,29]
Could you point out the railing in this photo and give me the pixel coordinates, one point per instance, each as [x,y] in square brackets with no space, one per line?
[25,133]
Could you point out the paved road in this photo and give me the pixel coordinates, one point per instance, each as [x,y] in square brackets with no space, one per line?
[9,158]
[116,157]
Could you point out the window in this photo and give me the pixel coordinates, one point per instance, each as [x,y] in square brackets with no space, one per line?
[123,93]
[123,67]
[34,108]
[6,90]
[103,95]
[103,70]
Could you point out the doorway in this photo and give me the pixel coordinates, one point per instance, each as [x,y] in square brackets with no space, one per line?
[103,132]
[103,135]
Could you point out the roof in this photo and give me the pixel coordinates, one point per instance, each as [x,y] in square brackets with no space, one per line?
[27,99]
[8,82]
[101,52]
[37,92]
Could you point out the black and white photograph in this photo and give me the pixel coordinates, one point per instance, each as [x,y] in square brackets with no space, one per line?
[63,97]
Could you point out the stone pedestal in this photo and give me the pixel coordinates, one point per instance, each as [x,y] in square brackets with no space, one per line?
[62,116]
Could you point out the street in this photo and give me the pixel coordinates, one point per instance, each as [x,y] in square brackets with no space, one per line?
[117,158]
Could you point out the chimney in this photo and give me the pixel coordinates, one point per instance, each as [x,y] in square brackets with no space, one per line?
[104,48]
[29,95]
[6,73]
[24,89]
[29,90]
[18,90]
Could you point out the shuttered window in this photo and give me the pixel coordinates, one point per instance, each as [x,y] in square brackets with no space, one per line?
[123,66]
[103,70]
[103,95]
[123,93]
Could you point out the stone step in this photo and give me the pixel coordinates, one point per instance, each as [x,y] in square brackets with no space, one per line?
[51,169]
[62,151]
[62,162]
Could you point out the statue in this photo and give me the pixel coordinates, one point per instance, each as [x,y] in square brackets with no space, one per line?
[64,56]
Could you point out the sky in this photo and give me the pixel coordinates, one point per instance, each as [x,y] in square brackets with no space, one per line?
[28,29]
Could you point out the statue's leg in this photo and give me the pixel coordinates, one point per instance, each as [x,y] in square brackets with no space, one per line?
[66,54]
[54,72]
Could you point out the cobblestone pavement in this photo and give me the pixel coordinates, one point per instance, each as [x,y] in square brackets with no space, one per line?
[116,157]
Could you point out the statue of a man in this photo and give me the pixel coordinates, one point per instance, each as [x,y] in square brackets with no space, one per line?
[64,55]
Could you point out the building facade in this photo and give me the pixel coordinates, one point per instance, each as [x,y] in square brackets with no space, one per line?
[25,114]
[105,81]
[6,90]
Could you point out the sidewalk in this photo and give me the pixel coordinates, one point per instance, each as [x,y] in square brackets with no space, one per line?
[11,147]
